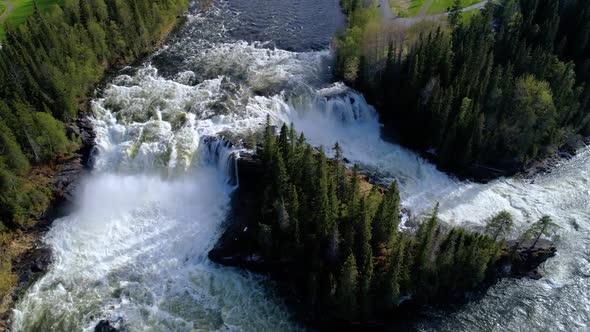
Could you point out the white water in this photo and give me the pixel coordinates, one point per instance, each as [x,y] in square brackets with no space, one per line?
[135,250]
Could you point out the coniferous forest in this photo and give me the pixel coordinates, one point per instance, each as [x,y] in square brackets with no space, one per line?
[48,68]
[494,91]
[341,241]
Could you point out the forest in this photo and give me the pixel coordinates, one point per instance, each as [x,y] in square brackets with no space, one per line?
[48,68]
[495,91]
[341,241]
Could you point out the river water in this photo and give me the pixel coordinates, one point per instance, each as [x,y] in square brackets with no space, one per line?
[135,249]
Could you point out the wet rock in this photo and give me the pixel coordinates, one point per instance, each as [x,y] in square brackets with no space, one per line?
[571,146]
[64,182]
[237,245]
[83,129]
[104,326]
[30,267]
[521,260]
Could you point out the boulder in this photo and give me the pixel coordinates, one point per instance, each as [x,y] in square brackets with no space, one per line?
[30,266]
[104,326]
[521,260]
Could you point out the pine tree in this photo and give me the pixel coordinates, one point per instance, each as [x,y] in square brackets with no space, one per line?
[499,224]
[294,213]
[364,256]
[544,227]
[346,293]
[324,217]
[268,142]
[386,219]
[10,152]
[283,144]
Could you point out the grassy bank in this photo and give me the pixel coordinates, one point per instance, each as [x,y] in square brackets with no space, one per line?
[412,8]
[21,10]
[442,6]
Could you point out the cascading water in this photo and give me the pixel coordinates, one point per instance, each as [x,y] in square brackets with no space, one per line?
[134,252]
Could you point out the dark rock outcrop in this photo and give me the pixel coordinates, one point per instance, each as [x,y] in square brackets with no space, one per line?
[31,266]
[510,167]
[521,260]
[105,326]
[237,245]
[83,129]
[64,184]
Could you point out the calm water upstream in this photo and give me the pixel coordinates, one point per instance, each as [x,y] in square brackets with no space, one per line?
[135,249]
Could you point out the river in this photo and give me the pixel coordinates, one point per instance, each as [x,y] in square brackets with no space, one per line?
[134,251]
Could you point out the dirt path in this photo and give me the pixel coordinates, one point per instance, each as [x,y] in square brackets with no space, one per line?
[407,21]
[9,9]
[386,9]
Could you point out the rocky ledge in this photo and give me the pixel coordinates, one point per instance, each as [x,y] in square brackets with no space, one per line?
[236,247]
[521,260]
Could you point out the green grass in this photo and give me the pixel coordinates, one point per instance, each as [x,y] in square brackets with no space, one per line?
[396,8]
[23,9]
[414,7]
[468,15]
[2,8]
[441,6]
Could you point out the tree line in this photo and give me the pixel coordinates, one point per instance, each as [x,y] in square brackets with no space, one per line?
[507,86]
[48,68]
[340,239]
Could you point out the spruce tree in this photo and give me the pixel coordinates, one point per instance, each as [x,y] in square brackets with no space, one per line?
[346,293]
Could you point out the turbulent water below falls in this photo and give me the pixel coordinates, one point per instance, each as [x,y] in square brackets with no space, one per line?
[135,249]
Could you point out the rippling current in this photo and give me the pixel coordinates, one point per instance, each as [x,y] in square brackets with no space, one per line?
[135,249]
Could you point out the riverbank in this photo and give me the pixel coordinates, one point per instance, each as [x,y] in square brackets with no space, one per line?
[29,256]
[540,165]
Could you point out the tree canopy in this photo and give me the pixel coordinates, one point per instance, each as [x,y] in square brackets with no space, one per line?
[340,238]
[48,67]
[496,91]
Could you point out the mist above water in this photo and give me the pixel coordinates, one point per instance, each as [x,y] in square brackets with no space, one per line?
[134,252]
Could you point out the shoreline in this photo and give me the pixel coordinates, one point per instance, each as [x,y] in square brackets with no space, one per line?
[482,174]
[32,258]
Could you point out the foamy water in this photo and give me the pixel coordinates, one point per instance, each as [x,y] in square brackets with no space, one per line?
[134,252]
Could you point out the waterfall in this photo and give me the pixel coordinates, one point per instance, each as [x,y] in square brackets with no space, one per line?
[338,114]
[135,249]
[221,153]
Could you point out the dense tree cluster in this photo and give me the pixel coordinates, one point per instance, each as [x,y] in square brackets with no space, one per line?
[341,240]
[48,66]
[506,86]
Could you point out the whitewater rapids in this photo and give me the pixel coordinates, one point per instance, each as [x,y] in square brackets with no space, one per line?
[135,249]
